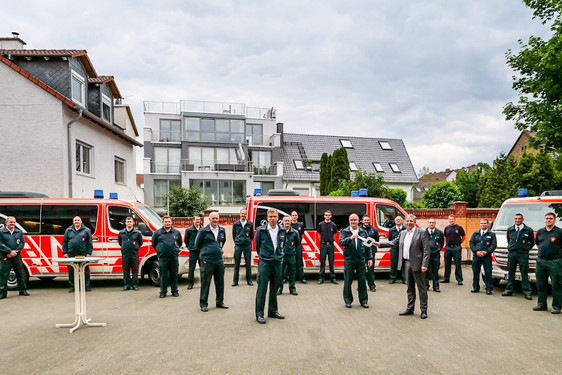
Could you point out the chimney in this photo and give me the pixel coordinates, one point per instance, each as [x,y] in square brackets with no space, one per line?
[13,42]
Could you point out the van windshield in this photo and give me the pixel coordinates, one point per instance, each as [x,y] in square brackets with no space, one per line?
[533,213]
[154,219]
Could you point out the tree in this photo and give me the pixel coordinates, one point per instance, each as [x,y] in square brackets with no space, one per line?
[325,174]
[539,67]
[440,194]
[373,182]
[186,202]
[339,168]
[468,183]
[397,195]
[499,183]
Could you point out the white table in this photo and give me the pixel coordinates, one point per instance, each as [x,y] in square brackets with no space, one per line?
[79,265]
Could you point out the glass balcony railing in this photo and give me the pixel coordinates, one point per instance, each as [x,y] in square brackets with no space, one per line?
[212,166]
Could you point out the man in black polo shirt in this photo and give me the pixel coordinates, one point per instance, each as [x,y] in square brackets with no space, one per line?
[454,236]
[520,239]
[327,230]
[549,264]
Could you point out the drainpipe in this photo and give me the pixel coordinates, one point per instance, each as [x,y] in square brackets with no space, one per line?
[70,153]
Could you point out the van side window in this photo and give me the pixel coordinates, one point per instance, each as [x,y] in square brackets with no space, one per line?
[305,211]
[117,216]
[340,212]
[386,214]
[56,218]
[27,216]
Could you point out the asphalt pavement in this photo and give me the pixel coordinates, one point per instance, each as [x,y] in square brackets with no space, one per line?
[466,333]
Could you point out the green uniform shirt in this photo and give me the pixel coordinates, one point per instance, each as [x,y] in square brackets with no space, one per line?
[77,241]
[486,242]
[130,242]
[11,241]
[550,243]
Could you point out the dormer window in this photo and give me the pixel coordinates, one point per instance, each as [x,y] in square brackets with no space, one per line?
[385,145]
[106,108]
[78,88]
[346,143]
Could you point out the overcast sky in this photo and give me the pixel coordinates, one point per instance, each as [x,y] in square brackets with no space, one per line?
[430,72]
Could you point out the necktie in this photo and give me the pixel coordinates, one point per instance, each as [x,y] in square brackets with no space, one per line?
[518,230]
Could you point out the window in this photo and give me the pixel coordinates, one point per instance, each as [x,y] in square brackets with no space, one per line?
[378,167]
[209,158]
[386,214]
[213,130]
[117,216]
[161,189]
[346,143]
[27,216]
[78,88]
[106,108]
[394,167]
[254,134]
[56,218]
[170,131]
[385,145]
[83,158]
[304,209]
[265,186]
[223,192]
[352,166]
[340,212]
[299,164]
[167,160]
[119,166]
[261,161]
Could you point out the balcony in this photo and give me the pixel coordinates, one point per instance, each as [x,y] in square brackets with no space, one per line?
[196,106]
[186,165]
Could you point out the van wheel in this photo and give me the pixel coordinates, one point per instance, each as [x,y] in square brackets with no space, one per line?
[13,282]
[154,273]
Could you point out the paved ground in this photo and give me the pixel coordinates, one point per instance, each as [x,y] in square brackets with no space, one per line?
[464,334]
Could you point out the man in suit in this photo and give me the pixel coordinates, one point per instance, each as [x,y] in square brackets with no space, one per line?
[269,241]
[413,257]
[393,233]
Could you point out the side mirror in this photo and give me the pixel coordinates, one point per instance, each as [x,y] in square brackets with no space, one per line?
[145,230]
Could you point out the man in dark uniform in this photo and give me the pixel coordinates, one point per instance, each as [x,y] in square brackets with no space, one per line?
[374,234]
[130,240]
[77,241]
[189,239]
[289,257]
[355,256]
[436,242]
[393,233]
[270,240]
[12,242]
[454,236]
[167,241]
[327,230]
[520,239]
[299,227]
[243,234]
[482,243]
[209,243]
[549,264]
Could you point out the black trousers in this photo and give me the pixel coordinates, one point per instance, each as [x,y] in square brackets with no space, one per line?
[208,272]
[131,266]
[5,265]
[238,251]
[269,272]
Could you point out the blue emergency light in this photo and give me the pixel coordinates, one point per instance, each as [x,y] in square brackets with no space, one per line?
[98,193]
[522,193]
[113,196]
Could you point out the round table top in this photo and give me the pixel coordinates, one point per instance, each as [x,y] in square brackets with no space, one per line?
[78,260]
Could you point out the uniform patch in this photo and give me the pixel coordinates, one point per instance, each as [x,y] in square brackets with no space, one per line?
[553,239]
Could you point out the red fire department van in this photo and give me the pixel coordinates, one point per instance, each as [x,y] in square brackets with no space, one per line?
[311,212]
[44,220]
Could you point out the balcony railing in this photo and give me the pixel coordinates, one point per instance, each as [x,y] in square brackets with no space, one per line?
[216,166]
[196,106]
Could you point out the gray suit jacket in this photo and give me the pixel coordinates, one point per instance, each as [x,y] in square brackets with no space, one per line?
[419,249]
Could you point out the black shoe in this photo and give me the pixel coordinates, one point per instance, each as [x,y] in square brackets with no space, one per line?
[260,319]
[71,290]
[392,281]
[423,315]
[88,289]
[204,309]
[539,308]
[320,281]
[437,290]
[507,294]
[348,305]
[135,288]
[555,312]
[162,295]
[489,292]
[460,283]
[333,281]
[294,292]
[221,305]
[304,281]
[250,283]
[528,297]
[234,283]
[365,305]
[190,286]
[406,312]
[475,291]
[24,293]
[275,315]
[446,281]
[373,288]
[175,294]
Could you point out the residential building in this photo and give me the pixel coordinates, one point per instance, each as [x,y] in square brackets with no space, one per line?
[64,131]
[301,154]
[224,149]
[521,145]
